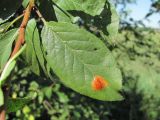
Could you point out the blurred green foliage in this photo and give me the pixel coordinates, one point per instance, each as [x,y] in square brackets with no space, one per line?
[137,52]
[138,56]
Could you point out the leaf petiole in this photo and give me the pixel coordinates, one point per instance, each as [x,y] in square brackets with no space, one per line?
[15,20]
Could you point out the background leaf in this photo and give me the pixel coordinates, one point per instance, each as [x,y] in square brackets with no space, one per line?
[32,35]
[92,7]
[7,71]
[112,25]
[6,41]
[14,104]
[1,97]
[107,22]
[10,66]
[3,26]
[77,59]
[62,15]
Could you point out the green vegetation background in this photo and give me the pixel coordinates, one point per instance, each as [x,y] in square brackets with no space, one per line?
[137,51]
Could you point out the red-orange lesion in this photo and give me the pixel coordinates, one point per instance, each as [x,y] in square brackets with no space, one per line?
[99,83]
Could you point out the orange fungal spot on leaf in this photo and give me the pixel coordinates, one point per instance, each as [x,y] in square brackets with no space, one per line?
[99,83]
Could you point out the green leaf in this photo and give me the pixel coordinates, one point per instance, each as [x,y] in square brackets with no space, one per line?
[10,66]
[7,8]
[3,27]
[63,16]
[16,104]
[25,3]
[77,56]
[38,47]
[113,25]
[32,35]
[63,98]
[48,92]
[108,21]
[6,41]
[1,21]
[34,54]
[92,7]
[1,97]
[7,70]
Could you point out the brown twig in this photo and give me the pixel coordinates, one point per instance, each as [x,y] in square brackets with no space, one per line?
[3,108]
[20,41]
[39,14]
[23,25]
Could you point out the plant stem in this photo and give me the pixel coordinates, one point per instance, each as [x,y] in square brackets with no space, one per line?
[23,25]
[20,41]
[13,22]
[39,15]
[3,108]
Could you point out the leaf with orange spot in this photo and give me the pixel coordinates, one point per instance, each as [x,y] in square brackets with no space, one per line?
[81,61]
